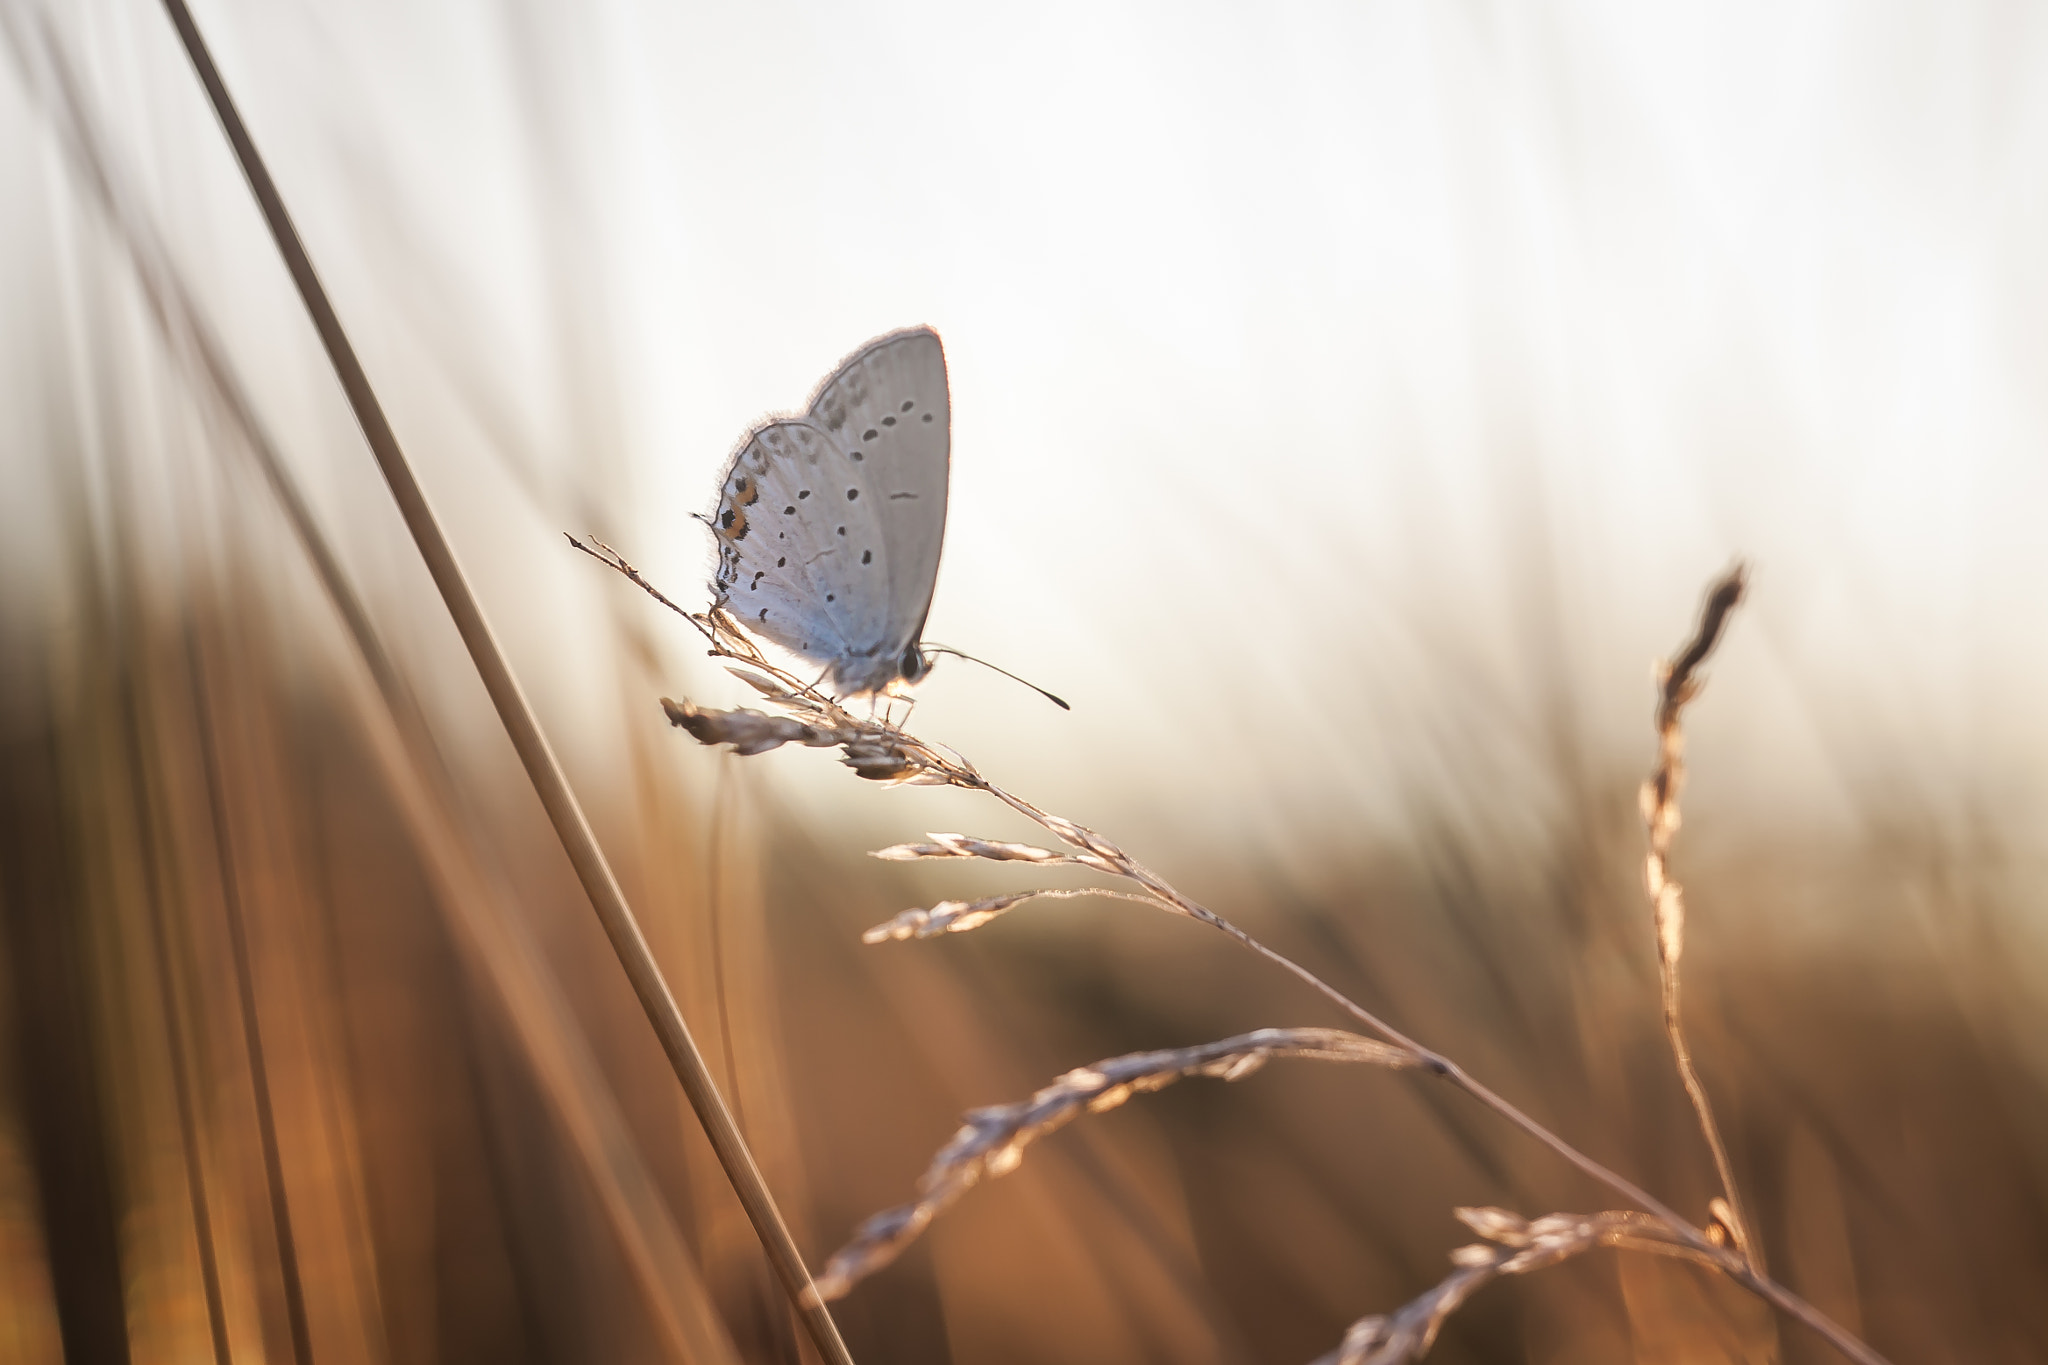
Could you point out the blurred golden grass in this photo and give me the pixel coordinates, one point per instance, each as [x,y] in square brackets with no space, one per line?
[445,1177]
[478,1154]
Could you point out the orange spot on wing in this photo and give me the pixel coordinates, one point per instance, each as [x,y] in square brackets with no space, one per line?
[732,523]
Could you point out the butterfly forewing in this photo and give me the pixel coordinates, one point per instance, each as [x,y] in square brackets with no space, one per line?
[889,403]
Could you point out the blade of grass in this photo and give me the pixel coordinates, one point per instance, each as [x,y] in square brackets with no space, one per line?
[521,725]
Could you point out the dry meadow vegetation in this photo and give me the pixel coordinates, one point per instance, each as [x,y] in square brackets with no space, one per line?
[310,1048]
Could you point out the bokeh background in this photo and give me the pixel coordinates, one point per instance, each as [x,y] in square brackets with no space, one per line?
[1350,403]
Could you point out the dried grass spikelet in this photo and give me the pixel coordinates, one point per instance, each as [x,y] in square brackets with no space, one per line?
[1514,1245]
[992,1141]
[876,752]
[950,917]
[955,917]
[993,850]
[1678,682]
[959,916]
[749,732]
[872,747]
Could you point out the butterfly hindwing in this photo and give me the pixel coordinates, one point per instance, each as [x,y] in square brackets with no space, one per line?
[801,557]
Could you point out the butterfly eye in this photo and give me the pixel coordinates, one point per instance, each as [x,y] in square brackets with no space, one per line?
[914,665]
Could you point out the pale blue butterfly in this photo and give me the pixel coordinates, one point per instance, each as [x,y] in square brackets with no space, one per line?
[829,524]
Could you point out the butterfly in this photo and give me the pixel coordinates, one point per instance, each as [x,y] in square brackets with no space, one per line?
[829,524]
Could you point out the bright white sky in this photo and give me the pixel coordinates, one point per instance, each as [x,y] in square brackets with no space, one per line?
[1339,390]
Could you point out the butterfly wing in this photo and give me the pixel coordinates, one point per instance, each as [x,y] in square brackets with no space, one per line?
[802,555]
[888,404]
[829,525]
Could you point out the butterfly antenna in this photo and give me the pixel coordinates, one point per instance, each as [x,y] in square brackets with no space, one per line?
[962,654]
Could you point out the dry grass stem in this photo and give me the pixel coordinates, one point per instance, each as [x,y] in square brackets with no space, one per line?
[1678,683]
[992,1140]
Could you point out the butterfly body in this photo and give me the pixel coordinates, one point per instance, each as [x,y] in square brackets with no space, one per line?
[829,524]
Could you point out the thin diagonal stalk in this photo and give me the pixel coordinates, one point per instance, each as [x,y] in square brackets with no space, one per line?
[521,725]
[878,750]
[835,726]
